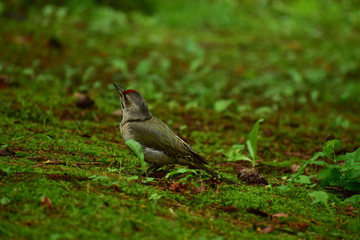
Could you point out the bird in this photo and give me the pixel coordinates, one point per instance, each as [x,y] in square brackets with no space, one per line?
[160,145]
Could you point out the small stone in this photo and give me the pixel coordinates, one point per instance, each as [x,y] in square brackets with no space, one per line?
[83,101]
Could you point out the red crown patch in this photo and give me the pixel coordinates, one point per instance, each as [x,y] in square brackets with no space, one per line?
[130,91]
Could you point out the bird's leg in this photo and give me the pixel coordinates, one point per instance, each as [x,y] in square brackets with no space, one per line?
[152,167]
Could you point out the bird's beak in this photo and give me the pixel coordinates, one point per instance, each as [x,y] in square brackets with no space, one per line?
[120,90]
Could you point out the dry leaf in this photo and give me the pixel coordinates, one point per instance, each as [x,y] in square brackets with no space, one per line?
[174,187]
[268,229]
[350,210]
[178,187]
[301,226]
[46,202]
[294,168]
[200,189]
[277,215]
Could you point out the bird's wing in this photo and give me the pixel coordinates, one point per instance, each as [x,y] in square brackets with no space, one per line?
[157,135]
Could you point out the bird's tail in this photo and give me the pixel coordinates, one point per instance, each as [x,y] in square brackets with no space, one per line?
[215,174]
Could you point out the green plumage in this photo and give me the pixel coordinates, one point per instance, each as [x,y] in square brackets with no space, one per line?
[161,146]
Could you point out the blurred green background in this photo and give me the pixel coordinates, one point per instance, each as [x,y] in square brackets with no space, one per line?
[267,53]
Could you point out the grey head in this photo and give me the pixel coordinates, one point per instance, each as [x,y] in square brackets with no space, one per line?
[133,105]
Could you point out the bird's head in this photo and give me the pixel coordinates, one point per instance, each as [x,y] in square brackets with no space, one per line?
[133,104]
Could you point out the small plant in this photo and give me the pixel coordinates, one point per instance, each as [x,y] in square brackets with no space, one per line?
[339,171]
[320,197]
[251,143]
[236,151]
[154,197]
[222,105]
[181,171]
[98,178]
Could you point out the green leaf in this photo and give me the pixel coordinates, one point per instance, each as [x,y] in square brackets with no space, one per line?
[330,176]
[316,156]
[321,163]
[144,67]
[350,158]
[112,170]
[251,143]
[319,197]
[245,158]
[6,170]
[353,199]
[137,149]
[132,178]
[352,185]
[180,171]
[302,179]
[148,179]
[356,155]
[4,201]
[195,64]
[222,104]
[352,172]
[235,153]
[185,179]
[283,188]
[330,147]
[119,64]
[155,196]
[311,161]
[97,178]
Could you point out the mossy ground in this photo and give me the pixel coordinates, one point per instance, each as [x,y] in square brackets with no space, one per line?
[67,174]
